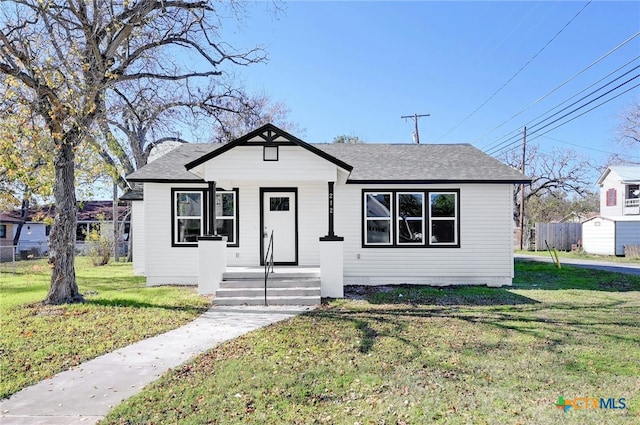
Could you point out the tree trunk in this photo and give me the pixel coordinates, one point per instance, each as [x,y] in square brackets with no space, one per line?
[64,288]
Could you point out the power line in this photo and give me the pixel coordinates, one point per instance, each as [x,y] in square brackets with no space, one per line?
[517,73]
[571,119]
[573,77]
[585,147]
[499,146]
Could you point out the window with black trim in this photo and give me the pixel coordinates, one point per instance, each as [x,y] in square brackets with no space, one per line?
[3,231]
[410,218]
[190,212]
[443,216]
[270,153]
[226,216]
[189,216]
[377,216]
[402,218]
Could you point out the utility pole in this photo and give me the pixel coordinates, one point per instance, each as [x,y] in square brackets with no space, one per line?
[415,121]
[524,154]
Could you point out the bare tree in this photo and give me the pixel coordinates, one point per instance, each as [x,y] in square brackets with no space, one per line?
[552,174]
[628,135]
[66,58]
[245,113]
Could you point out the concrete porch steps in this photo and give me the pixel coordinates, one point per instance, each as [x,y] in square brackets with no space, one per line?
[284,287]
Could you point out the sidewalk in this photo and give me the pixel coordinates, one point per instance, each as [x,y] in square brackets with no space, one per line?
[84,394]
[610,266]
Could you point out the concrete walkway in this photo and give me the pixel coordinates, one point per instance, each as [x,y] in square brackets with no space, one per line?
[610,266]
[84,394]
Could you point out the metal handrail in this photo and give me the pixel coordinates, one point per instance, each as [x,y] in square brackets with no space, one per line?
[268,262]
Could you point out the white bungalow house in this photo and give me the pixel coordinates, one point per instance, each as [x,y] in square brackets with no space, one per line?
[366,214]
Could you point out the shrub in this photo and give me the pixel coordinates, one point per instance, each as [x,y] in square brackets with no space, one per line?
[99,247]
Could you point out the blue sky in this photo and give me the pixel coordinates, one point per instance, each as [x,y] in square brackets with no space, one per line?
[357,67]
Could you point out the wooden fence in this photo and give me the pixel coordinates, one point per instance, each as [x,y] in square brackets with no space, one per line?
[561,236]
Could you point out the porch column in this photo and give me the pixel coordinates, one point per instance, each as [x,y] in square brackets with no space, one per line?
[212,263]
[212,209]
[331,256]
[212,255]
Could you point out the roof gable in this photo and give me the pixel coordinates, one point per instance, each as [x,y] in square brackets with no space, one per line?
[268,135]
[626,174]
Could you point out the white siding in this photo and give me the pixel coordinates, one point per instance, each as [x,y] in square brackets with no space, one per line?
[612,181]
[138,237]
[485,255]
[166,264]
[312,221]
[627,233]
[295,164]
[598,236]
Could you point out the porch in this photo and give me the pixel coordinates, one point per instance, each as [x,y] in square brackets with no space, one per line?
[282,285]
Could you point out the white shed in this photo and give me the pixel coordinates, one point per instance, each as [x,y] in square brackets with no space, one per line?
[609,235]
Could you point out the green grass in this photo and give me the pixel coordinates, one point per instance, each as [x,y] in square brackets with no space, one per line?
[423,355]
[581,255]
[38,341]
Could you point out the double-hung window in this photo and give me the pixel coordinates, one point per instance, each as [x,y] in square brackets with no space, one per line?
[378,223]
[443,215]
[191,210]
[411,218]
[189,216]
[226,216]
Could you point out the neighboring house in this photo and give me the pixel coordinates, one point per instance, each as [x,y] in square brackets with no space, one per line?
[7,223]
[365,214]
[620,191]
[619,221]
[34,236]
[610,235]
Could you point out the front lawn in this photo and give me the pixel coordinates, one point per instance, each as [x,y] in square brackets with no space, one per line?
[38,341]
[581,255]
[423,355]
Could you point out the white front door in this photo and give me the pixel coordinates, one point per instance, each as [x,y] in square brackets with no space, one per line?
[279,217]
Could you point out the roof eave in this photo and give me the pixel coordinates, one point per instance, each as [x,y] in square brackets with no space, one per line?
[439,181]
[156,180]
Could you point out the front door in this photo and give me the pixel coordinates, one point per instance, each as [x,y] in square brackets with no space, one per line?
[279,215]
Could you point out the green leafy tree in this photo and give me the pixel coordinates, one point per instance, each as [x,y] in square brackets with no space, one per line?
[346,138]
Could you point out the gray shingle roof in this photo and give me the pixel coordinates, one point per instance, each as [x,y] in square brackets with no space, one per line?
[426,162]
[371,162]
[171,166]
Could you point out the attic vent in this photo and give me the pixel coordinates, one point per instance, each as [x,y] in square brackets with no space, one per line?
[270,153]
